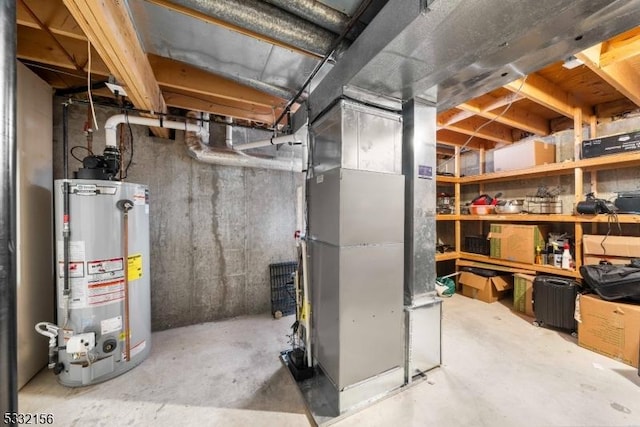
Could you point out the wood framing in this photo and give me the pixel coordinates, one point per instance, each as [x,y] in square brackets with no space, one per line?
[622,76]
[514,116]
[109,28]
[174,76]
[477,126]
[547,94]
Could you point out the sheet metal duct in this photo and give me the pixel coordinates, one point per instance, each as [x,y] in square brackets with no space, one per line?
[468,47]
[267,20]
[316,12]
[356,247]
[8,318]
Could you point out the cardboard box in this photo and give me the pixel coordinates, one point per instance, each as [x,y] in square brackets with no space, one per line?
[614,246]
[523,155]
[515,242]
[610,328]
[614,144]
[523,293]
[487,289]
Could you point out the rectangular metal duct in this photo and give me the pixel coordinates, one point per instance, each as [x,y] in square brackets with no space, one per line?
[467,47]
[356,249]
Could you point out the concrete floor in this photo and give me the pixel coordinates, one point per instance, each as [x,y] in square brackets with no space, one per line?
[498,370]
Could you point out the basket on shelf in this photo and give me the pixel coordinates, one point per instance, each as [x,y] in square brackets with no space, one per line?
[544,205]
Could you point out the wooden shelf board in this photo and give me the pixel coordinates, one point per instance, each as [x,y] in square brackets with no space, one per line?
[518,265]
[522,218]
[621,218]
[564,168]
[447,256]
[447,179]
[447,217]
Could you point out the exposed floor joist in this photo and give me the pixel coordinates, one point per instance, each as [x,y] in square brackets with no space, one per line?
[109,27]
[479,127]
[211,20]
[513,116]
[620,48]
[223,96]
[448,137]
[547,94]
[620,75]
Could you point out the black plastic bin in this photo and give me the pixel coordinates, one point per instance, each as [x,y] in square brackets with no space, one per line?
[283,293]
[477,245]
[554,302]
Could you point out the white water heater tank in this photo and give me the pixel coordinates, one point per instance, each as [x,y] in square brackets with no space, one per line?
[100,337]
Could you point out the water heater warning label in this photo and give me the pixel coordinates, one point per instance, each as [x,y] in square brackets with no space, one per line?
[105,292]
[135,267]
[105,266]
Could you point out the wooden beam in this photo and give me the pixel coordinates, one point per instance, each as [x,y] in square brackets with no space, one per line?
[620,48]
[211,20]
[515,117]
[35,45]
[178,75]
[109,28]
[448,137]
[477,126]
[615,108]
[621,75]
[452,116]
[53,14]
[223,107]
[502,101]
[541,91]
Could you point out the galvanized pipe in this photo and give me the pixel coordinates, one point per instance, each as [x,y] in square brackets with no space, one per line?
[316,12]
[267,20]
[8,315]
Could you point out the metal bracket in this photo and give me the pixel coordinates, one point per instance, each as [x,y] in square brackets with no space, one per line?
[424,5]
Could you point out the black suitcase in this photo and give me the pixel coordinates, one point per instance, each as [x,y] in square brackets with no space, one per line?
[554,302]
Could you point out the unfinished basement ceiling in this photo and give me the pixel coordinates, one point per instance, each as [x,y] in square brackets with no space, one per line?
[245,59]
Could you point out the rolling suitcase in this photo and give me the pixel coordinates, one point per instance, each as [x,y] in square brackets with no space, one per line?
[554,302]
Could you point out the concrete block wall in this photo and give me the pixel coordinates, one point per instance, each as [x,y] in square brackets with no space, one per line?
[214,229]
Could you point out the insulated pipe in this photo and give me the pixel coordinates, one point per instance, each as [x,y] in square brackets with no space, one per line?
[267,20]
[111,126]
[194,136]
[8,319]
[284,139]
[315,11]
[205,154]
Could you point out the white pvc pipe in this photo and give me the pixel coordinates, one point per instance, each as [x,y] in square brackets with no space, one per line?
[194,137]
[111,126]
[228,132]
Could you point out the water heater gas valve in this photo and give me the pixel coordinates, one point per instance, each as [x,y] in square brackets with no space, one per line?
[81,343]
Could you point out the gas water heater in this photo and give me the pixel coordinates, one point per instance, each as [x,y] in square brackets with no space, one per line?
[102,242]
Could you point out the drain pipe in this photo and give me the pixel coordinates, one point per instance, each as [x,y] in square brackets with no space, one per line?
[195,135]
[296,138]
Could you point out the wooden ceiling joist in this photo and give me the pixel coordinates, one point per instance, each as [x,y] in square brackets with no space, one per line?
[34,45]
[513,116]
[622,76]
[547,94]
[448,137]
[479,127]
[109,28]
[620,48]
[174,76]
[50,12]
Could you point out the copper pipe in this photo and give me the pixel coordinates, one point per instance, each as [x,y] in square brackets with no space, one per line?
[126,286]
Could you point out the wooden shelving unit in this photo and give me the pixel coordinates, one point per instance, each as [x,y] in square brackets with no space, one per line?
[576,168]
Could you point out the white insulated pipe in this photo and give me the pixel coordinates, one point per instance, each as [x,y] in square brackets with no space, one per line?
[194,137]
[284,139]
[111,126]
